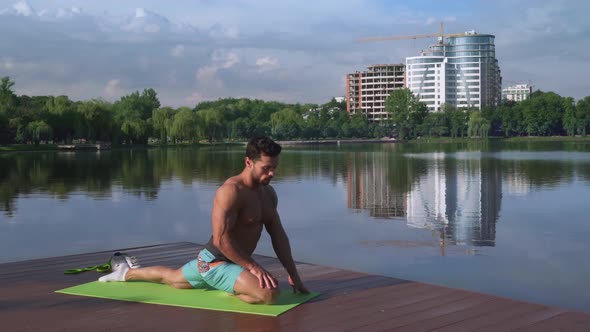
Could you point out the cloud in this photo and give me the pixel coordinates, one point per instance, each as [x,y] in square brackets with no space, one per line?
[207,75]
[267,63]
[7,64]
[223,31]
[194,98]
[224,59]
[113,89]
[177,51]
[233,49]
[23,8]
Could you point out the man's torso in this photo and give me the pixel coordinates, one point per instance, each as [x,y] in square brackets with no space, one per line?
[254,208]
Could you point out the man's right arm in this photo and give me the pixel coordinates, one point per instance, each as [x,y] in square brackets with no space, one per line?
[224,219]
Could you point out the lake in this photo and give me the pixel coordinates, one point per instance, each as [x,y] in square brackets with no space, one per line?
[503,218]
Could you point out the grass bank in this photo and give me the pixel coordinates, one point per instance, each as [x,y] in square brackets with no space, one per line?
[28,147]
[503,139]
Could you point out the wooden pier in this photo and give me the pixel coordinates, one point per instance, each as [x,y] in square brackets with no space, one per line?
[88,146]
[349,301]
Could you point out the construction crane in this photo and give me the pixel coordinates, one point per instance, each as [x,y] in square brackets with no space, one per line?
[441,35]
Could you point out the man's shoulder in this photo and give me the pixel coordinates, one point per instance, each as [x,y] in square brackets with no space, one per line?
[230,188]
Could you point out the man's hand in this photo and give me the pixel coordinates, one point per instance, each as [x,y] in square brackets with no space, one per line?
[297,285]
[265,279]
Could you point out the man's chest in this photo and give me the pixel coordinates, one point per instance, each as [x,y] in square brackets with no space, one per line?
[255,210]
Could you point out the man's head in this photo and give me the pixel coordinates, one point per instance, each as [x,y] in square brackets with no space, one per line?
[262,158]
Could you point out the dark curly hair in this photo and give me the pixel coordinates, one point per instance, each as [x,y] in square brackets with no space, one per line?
[259,145]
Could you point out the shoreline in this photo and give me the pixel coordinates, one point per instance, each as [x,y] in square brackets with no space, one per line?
[55,147]
[338,141]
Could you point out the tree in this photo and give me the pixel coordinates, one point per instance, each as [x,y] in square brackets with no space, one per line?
[7,101]
[543,113]
[406,112]
[37,131]
[62,117]
[478,125]
[583,115]
[7,96]
[569,116]
[494,118]
[184,125]
[512,119]
[311,127]
[210,124]
[162,121]
[285,124]
[132,113]
[435,124]
[97,122]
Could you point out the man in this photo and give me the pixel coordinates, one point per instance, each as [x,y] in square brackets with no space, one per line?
[242,206]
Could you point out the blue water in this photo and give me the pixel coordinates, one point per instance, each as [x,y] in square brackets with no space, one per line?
[500,219]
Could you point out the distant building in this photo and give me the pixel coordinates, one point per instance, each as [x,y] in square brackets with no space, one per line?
[366,91]
[518,92]
[339,99]
[463,71]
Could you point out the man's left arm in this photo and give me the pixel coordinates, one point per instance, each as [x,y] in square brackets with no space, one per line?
[281,246]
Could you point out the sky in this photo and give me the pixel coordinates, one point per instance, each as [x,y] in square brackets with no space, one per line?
[191,51]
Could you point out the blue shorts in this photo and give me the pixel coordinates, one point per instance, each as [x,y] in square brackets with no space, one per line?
[200,274]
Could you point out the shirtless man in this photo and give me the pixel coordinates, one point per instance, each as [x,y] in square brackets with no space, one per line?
[243,205]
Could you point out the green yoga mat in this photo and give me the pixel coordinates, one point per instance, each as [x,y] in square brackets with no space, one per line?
[147,292]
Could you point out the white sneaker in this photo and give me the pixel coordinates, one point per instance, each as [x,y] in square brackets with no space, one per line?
[132,261]
[119,267]
[120,264]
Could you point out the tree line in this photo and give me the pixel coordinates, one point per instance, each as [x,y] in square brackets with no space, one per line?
[543,114]
[138,118]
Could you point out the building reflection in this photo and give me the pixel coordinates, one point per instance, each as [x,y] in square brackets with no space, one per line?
[458,198]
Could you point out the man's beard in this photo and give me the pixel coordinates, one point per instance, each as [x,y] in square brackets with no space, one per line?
[264,182]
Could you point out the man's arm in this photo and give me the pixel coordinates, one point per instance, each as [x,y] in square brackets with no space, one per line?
[281,246]
[224,219]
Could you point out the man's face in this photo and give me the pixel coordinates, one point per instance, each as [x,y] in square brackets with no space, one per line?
[263,169]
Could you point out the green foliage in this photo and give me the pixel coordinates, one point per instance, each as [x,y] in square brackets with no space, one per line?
[132,113]
[543,113]
[162,122]
[406,112]
[285,123]
[62,117]
[37,131]
[478,125]
[137,117]
[96,120]
[569,116]
[184,126]
[583,116]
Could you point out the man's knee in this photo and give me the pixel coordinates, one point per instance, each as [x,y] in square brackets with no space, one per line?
[269,296]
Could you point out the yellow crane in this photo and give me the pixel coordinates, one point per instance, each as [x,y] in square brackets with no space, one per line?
[441,35]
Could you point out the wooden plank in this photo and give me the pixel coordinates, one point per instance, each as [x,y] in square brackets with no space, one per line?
[382,300]
[349,301]
[510,310]
[524,320]
[567,321]
[387,308]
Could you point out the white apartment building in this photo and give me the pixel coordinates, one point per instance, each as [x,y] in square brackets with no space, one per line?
[462,71]
[366,91]
[518,92]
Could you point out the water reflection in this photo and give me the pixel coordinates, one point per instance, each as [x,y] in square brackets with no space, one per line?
[459,198]
[455,190]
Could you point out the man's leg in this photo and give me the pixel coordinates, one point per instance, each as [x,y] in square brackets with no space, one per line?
[247,288]
[159,274]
